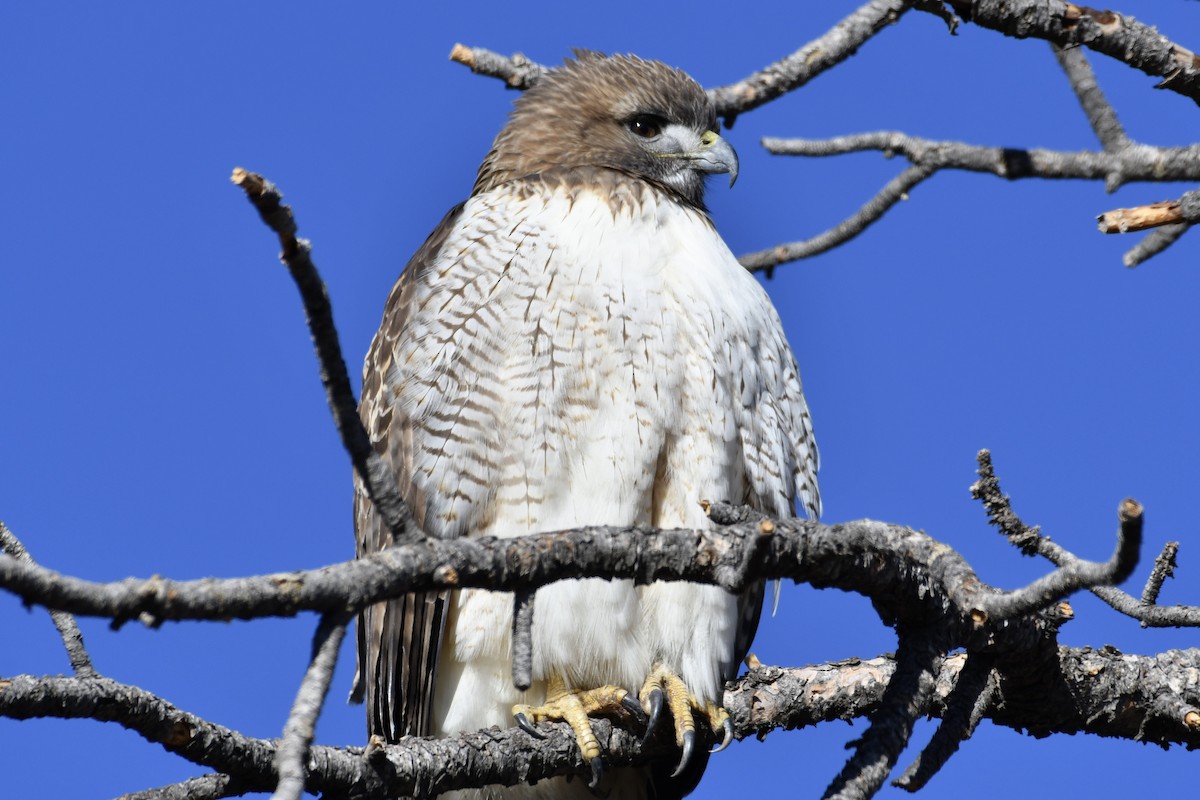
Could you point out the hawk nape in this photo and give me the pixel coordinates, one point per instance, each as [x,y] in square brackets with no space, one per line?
[575,345]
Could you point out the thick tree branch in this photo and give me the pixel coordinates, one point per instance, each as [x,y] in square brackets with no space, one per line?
[1147,698]
[917,575]
[1066,24]
[377,476]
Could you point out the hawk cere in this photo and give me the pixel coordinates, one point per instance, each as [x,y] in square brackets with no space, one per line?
[576,345]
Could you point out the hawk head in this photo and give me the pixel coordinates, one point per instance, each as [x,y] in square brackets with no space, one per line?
[615,112]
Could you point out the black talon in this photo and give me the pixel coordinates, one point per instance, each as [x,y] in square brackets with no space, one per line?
[524,724]
[689,747]
[597,765]
[656,707]
[635,708]
[728,727]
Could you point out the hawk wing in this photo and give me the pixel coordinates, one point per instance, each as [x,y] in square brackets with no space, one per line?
[398,640]
[780,454]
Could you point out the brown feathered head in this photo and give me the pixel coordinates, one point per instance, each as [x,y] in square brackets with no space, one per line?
[614,112]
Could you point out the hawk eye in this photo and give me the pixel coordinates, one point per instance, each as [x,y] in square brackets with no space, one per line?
[646,126]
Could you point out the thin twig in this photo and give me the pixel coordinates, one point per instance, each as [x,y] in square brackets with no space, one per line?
[1154,243]
[292,756]
[896,190]
[381,483]
[1164,567]
[205,787]
[1100,113]
[68,629]
[819,55]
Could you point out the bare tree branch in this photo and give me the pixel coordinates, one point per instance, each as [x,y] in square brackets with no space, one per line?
[896,190]
[517,71]
[1134,162]
[1138,163]
[875,559]
[1103,692]
[1076,574]
[774,80]
[966,704]
[292,756]
[819,55]
[206,787]
[377,476]
[1066,24]
[1030,541]
[1100,113]
[68,630]
[918,658]
[1164,567]
[1154,243]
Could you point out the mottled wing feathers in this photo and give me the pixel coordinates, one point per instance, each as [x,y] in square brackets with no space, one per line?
[398,640]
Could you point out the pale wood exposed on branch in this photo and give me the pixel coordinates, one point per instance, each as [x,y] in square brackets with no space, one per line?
[1170,218]
[1139,218]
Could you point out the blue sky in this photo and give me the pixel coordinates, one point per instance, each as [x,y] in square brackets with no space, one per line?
[161,408]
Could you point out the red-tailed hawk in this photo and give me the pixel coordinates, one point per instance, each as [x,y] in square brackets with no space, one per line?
[575,345]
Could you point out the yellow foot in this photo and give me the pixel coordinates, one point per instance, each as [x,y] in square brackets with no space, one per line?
[663,686]
[574,708]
